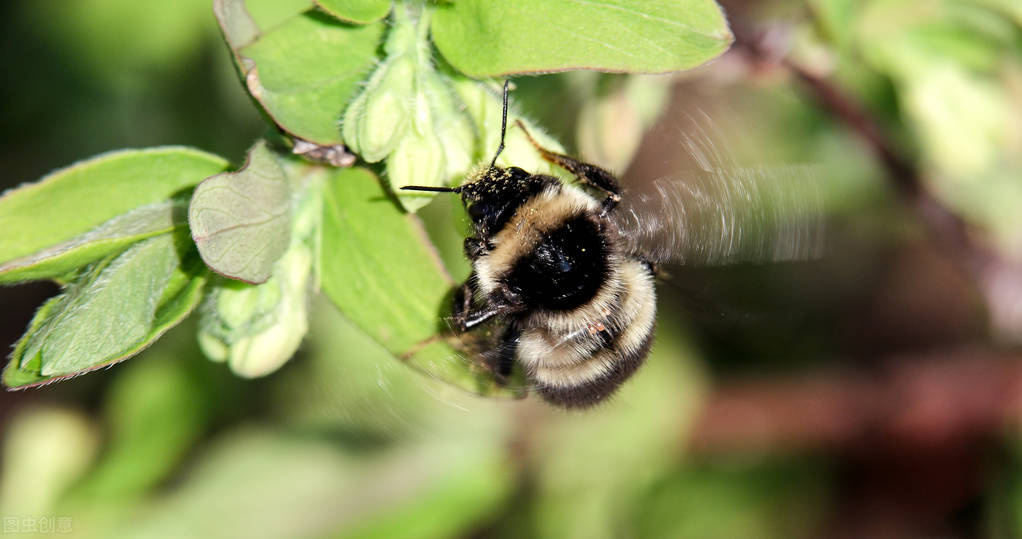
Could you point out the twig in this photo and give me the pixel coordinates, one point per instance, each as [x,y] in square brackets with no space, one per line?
[915,402]
[999,278]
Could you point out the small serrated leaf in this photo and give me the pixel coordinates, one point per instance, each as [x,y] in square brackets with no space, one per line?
[22,371]
[109,237]
[81,197]
[241,221]
[112,311]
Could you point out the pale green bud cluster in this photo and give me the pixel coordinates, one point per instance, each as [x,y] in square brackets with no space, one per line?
[407,115]
[429,125]
[255,329]
[485,106]
[378,119]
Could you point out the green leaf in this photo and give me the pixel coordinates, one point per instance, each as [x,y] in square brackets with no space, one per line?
[241,21]
[19,373]
[447,223]
[487,39]
[241,221]
[485,108]
[396,290]
[270,13]
[109,237]
[74,200]
[112,311]
[393,289]
[303,70]
[106,311]
[236,23]
[356,11]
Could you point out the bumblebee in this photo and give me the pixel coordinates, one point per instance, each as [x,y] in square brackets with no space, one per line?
[568,271]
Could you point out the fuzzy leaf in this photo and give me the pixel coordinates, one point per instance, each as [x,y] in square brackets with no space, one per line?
[396,291]
[109,237]
[303,69]
[486,39]
[356,11]
[115,309]
[79,198]
[241,221]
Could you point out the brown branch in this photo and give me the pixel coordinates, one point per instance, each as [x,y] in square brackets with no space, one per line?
[946,227]
[916,402]
[998,278]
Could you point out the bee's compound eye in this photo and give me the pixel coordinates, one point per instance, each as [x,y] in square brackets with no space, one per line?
[476,212]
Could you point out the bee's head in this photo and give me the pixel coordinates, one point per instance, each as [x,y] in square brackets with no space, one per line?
[492,197]
[493,194]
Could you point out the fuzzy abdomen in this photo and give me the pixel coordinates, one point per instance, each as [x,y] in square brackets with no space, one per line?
[580,357]
[583,311]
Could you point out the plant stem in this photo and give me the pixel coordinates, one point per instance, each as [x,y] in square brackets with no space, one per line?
[997,277]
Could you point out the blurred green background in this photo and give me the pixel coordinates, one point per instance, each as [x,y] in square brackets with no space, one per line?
[867,394]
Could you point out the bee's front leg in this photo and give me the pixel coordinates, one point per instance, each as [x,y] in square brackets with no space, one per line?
[462,303]
[502,361]
[475,247]
[586,173]
[466,316]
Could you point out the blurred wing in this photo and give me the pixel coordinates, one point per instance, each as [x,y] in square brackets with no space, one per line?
[726,215]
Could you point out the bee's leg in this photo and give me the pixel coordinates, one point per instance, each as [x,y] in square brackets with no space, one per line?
[504,360]
[651,267]
[591,175]
[464,314]
[475,247]
[462,303]
[473,318]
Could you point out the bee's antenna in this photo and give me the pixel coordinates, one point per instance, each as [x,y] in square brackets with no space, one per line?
[503,126]
[431,189]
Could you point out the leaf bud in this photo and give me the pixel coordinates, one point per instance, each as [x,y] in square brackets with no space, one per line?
[379,117]
[418,160]
[257,328]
